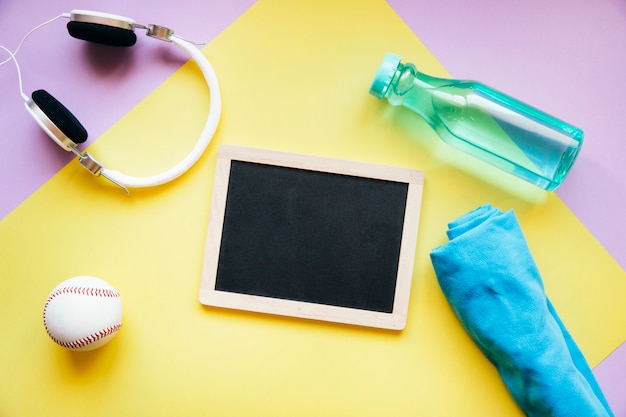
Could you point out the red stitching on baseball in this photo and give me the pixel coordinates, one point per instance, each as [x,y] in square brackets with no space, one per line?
[94,337]
[95,292]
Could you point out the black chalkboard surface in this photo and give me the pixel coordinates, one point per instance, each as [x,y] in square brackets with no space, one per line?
[311,237]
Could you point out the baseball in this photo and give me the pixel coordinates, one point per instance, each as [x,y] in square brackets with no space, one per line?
[83,313]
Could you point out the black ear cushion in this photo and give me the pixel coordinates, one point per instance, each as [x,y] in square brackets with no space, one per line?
[60,116]
[102,34]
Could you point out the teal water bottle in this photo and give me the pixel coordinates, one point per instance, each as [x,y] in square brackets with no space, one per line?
[483,122]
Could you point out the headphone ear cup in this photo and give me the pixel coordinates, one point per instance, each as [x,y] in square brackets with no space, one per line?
[102,34]
[60,116]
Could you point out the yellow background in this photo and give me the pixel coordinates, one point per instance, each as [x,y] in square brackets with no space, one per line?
[294,77]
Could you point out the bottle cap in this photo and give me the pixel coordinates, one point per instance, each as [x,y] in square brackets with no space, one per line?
[385,74]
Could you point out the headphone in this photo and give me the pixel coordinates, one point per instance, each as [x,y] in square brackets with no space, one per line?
[63,127]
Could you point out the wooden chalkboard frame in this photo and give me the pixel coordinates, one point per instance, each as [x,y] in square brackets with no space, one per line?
[395,319]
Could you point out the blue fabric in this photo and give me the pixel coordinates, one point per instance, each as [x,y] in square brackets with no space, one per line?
[490,279]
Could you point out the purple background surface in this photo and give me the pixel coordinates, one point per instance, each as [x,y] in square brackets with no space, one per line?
[566,57]
[611,375]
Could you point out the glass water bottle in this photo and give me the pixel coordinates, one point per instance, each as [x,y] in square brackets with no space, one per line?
[483,122]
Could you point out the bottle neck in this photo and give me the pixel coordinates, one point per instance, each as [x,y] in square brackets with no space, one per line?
[414,90]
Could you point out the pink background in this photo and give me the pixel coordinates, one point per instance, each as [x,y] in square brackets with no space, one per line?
[566,57]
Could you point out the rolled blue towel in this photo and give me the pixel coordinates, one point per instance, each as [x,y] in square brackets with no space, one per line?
[490,279]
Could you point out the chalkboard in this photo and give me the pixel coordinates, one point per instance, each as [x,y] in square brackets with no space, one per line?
[311,237]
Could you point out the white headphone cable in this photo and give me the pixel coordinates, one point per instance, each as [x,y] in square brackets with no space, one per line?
[30,32]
